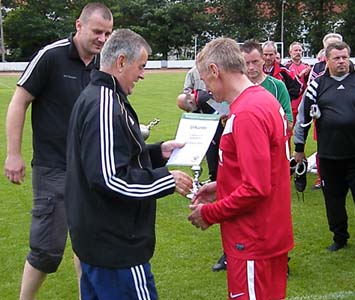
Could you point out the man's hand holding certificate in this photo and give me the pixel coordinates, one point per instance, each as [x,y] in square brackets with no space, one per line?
[196,131]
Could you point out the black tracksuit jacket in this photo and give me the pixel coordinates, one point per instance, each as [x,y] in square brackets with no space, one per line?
[113,179]
[336,125]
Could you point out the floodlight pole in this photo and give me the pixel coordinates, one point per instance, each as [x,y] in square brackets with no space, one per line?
[282,27]
[2,37]
[195,45]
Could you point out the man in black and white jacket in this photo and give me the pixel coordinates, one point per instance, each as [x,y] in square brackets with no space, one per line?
[330,99]
[114,178]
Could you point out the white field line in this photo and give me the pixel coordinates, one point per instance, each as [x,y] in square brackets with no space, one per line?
[7,86]
[332,296]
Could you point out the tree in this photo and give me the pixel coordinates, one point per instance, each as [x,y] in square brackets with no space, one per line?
[240,19]
[172,25]
[31,24]
[347,23]
[167,25]
[292,22]
[258,19]
[320,18]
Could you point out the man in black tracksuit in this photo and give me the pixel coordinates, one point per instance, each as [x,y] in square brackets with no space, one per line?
[114,178]
[334,95]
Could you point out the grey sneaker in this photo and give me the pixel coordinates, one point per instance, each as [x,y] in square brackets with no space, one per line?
[221,264]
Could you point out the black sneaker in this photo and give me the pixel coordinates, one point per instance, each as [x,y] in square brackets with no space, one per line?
[301,176]
[221,264]
[336,246]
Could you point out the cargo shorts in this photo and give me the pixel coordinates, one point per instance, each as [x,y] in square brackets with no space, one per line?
[49,229]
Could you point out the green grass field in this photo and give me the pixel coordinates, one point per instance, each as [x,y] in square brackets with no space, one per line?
[184,255]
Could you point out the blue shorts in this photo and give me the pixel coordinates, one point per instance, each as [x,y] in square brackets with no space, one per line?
[135,283]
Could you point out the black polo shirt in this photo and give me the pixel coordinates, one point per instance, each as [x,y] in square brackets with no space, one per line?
[55,76]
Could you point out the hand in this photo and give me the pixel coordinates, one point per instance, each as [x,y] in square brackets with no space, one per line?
[206,193]
[224,119]
[299,156]
[304,72]
[183,182]
[195,217]
[15,168]
[168,147]
[289,126]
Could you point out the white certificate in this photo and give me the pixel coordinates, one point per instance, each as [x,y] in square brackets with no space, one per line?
[196,131]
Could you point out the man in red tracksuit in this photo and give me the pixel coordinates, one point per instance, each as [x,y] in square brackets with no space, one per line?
[299,69]
[279,71]
[253,187]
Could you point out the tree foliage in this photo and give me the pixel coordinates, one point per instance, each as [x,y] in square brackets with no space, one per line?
[28,27]
[347,23]
[173,26]
[31,24]
[167,25]
[320,17]
[239,19]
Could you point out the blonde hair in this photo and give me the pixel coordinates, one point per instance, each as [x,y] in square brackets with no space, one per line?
[225,53]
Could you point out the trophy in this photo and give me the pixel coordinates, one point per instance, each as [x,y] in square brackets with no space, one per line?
[145,129]
[196,171]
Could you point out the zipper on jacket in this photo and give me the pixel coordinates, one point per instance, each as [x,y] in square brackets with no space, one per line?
[124,111]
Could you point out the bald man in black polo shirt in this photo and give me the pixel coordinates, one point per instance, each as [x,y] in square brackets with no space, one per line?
[51,82]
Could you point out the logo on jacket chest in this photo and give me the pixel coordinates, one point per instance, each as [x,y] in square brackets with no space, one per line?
[68,76]
[131,120]
[240,247]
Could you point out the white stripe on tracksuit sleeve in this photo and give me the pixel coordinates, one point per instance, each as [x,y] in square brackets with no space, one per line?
[36,59]
[108,160]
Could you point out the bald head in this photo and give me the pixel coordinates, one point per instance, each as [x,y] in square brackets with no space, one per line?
[95,8]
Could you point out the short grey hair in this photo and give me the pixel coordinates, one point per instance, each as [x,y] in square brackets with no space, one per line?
[123,42]
[269,44]
[332,35]
[225,53]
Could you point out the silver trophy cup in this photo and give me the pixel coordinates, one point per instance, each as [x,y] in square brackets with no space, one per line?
[196,171]
[145,129]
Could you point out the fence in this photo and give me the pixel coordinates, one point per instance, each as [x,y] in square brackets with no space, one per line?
[151,64]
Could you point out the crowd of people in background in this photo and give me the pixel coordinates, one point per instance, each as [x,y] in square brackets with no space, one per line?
[104,193]
[301,88]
